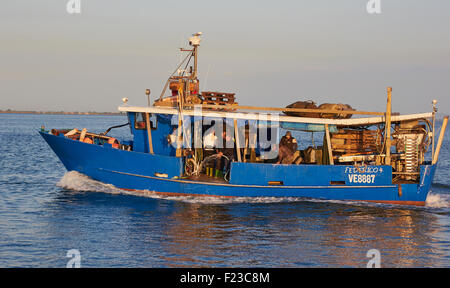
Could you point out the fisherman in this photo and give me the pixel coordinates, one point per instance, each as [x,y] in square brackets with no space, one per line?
[228,151]
[287,149]
[209,145]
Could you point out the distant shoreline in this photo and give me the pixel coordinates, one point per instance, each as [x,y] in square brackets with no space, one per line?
[61,113]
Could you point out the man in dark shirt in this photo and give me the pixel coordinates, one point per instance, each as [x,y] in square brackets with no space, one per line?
[287,148]
[227,150]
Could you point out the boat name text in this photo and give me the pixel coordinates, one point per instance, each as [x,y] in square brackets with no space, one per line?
[363,169]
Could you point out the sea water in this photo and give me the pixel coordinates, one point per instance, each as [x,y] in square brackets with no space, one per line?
[47,212]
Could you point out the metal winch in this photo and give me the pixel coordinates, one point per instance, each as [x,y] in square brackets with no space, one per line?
[409,139]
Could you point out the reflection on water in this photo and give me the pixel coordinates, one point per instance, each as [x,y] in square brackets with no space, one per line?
[197,231]
[148,232]
[397,234]
[297,234]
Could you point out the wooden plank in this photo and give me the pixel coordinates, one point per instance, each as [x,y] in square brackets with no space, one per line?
[337,141]
[215,96]
[362,139]
[217,93]
[88,134]
[359,141]
[330,152]
[388,126]
[215,102]
[406,173]
[236,138]
[357,153]
[246,149]
[350,135]
[441,139]
[223,98]
[355,146]
[252,144]
[83,134]
[434,125]
[149,133]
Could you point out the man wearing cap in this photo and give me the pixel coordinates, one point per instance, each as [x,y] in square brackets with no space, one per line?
[287,148]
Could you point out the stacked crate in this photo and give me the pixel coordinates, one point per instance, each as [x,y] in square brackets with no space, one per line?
[354,142]
[219,99]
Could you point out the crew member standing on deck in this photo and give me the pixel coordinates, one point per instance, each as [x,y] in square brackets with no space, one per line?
[287,148]
[228,150]
[209,144]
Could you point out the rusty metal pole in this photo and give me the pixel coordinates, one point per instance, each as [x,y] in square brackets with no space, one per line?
[388,126]
[194,75]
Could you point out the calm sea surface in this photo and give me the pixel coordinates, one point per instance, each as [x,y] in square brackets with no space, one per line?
[45,212]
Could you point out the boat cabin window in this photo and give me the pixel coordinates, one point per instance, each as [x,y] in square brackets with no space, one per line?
[141,120]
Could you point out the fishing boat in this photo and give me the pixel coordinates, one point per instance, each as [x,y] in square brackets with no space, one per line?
[365,156]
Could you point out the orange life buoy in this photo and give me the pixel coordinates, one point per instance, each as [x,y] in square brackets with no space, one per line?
[88,140]
[114,143]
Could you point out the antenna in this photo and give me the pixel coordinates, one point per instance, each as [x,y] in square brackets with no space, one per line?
[195,40]
[206,78]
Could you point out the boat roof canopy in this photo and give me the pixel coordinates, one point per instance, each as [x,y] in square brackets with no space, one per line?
[366,121]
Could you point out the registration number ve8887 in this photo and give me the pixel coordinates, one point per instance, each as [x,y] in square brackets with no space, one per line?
[361,178]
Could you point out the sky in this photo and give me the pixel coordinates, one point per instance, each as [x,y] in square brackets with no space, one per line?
[270,53]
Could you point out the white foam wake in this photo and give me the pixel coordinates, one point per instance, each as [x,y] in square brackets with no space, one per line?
[438,200]
[78,182]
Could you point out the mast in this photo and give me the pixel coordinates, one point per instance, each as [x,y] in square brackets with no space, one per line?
[189,82]
[195,42]
[187,86]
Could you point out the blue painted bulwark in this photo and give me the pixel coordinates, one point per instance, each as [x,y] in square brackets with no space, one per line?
[94,160]
[309,175]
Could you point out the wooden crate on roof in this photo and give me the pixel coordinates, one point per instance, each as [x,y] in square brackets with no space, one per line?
[219,99]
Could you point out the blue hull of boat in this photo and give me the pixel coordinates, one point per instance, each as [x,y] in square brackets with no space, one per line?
[143,171]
